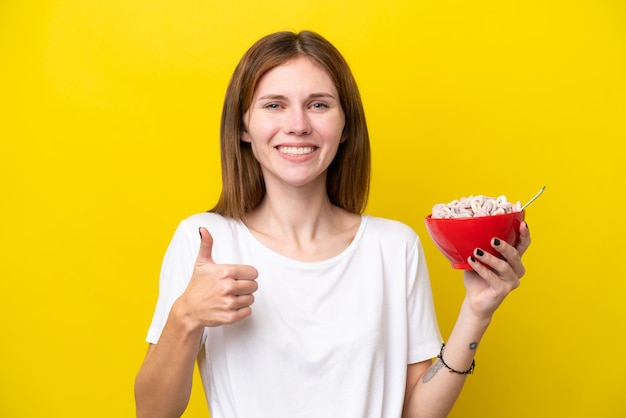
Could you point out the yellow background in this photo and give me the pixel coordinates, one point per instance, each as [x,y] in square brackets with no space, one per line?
[109,117]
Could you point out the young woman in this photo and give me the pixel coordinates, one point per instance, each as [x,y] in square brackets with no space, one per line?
[294,303]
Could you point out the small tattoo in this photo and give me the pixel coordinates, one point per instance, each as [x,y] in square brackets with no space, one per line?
[472,346]
[432,371]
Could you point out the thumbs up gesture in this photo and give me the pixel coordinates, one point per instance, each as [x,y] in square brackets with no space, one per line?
[218,294]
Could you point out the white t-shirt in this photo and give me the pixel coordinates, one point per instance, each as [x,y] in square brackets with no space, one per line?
[325,339]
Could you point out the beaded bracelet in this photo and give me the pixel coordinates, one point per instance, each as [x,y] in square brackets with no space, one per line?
[450,369]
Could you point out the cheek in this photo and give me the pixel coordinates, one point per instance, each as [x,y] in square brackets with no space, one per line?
[335,129]
[260,130]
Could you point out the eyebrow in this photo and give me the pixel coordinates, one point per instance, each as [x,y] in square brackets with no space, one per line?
[282,97]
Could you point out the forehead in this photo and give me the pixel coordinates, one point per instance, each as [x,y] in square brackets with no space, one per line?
[296,74]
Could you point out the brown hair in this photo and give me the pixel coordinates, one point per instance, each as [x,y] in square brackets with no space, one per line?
[348,177]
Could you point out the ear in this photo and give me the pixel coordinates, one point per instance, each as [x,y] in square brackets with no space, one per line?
[245,136]
[344,137]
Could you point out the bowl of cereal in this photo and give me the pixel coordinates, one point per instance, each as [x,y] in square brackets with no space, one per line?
[459,227]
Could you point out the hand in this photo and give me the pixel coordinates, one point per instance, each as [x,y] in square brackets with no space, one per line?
[493,278]
[217,294]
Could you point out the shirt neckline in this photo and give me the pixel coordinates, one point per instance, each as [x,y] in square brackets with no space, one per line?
[288,260]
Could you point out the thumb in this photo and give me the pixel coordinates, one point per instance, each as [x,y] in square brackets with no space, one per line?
[206,247]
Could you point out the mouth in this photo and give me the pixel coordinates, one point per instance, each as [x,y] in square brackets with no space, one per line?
[296,151]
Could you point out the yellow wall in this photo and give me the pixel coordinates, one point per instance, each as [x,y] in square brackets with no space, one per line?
[109,114]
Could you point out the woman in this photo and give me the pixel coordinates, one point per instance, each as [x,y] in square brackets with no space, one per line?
[293,302]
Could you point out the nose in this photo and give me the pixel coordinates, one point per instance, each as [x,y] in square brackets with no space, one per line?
[298,122]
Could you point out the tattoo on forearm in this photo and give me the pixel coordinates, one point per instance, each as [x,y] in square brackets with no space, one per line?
[432,371]
[472,346]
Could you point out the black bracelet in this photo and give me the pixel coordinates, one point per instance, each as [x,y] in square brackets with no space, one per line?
[450,369]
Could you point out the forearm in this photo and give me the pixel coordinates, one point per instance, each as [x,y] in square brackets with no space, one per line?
[163,384]
[434,393]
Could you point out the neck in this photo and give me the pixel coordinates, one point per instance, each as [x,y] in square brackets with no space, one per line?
[302,223]
[299,217]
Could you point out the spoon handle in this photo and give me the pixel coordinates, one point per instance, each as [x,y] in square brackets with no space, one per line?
[533,199]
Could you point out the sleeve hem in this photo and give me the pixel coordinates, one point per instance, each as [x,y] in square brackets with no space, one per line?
[425,352]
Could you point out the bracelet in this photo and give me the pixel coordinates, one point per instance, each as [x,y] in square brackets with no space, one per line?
[450,369]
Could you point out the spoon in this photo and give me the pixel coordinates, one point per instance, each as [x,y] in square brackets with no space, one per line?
[533,199]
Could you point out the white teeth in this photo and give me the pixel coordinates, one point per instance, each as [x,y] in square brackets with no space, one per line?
[296,150]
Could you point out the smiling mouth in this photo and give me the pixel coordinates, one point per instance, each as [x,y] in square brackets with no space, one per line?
[293,151]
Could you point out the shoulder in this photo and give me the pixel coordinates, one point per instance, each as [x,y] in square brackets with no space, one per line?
[209,220]
[390,229]
[391,235]
[187,230]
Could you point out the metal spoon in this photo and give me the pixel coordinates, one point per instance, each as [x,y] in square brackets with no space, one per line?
[533,199]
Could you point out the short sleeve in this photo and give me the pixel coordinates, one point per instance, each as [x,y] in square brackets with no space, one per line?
[176,271]
[423,329]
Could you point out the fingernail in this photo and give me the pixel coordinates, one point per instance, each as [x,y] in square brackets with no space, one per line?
[200,232]
[496,242]
[527,226]
[473,259]
[479,252]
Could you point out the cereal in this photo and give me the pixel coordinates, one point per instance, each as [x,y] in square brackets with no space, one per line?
[475,206]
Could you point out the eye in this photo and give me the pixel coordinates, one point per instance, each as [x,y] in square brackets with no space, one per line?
[319,106]
[272,106]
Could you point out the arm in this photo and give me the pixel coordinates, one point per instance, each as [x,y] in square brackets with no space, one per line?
[216,295]
[431,388]
[163,384]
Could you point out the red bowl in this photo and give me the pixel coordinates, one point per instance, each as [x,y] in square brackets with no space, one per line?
[457,238]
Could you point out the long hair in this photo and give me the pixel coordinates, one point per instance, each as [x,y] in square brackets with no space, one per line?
[348,178]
